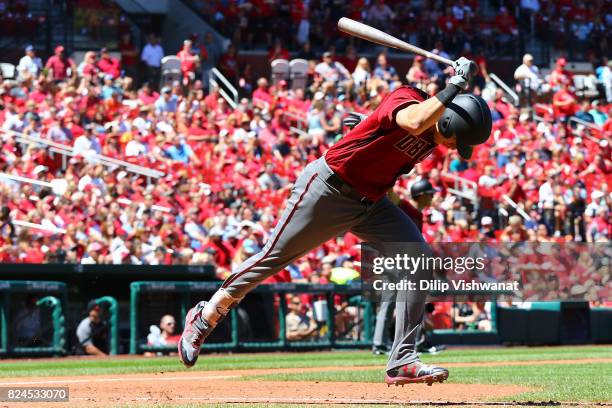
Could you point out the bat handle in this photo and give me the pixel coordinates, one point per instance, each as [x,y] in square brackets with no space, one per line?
[442,60]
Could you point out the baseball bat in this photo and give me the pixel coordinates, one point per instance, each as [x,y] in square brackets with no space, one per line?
[365,32]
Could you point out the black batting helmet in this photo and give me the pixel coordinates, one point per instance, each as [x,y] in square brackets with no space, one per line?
[421,187]
[469,118]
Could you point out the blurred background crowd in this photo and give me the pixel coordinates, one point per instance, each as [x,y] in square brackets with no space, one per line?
[224,171]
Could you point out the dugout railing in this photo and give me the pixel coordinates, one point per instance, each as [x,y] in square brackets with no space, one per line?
[326,295]
[111,305]
[50,302]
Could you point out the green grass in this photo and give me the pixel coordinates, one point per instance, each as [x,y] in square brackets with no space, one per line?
[588,382]
[581,382]
[59,367]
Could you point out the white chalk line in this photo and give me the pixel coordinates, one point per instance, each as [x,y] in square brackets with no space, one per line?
[92,380]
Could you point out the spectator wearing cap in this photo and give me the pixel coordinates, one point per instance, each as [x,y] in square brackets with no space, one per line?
[109,65]
[92,332]
[60,66]
[29,65]
[167,101]
[152,54]
[486,227]
[330,70]
[559,76]
[417,76]
[383,70]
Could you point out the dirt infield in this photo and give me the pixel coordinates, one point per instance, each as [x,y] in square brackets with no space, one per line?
[190,387]
[215,387]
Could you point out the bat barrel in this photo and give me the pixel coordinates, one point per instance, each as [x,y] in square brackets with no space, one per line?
[365,32]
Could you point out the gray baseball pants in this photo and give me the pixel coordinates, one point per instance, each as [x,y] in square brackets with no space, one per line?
[317,212]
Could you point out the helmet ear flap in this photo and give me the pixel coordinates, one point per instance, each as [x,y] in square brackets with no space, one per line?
[443,125]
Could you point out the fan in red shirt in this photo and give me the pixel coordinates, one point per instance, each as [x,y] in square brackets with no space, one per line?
[564,103]
[505,23]
[278,51]
[189,62]
[109,65]
[59,65]
[447,22]
[262,97]
[560,76]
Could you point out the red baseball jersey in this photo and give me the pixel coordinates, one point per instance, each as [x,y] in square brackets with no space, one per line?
[377,151]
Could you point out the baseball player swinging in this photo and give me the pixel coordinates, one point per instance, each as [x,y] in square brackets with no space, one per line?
[422,193]
[345,190]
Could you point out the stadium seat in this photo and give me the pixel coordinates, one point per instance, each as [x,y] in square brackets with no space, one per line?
[170,70]
[298,73]
[8,70]
[280,71]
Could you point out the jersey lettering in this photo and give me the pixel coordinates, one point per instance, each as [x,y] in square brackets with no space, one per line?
[414,147]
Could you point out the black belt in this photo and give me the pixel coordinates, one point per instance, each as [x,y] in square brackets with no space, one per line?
[336,182]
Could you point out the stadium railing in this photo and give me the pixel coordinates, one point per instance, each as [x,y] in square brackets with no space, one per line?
[219,80]
[516,207]
[498,81]
[55,300]
[67,152]
[463,187]
[110,303]
[278,293]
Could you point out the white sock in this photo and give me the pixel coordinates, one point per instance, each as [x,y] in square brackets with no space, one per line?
[218,306]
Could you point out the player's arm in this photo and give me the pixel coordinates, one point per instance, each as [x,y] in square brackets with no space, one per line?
[419,117]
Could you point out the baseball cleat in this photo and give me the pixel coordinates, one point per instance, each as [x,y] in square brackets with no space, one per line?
[416,372]
[195,331]
[380,351]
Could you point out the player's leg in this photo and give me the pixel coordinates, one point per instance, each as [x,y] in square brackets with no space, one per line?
[381,337]
[314,213]
[386,223]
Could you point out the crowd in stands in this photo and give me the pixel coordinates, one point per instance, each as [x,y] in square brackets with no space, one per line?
[227,171]
[17,22]
[495,24]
